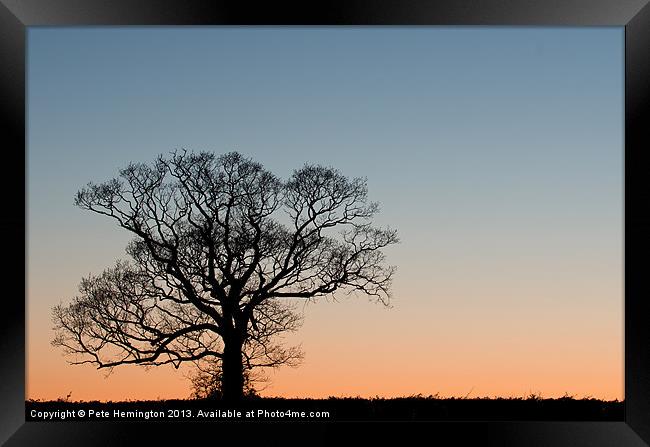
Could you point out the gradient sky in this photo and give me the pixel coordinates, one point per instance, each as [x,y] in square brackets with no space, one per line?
[497,153]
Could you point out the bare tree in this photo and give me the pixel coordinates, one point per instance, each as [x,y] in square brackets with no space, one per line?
[221,246]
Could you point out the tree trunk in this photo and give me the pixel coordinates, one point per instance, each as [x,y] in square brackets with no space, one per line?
[232,385]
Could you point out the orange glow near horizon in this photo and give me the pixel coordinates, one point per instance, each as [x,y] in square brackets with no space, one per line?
[400,352]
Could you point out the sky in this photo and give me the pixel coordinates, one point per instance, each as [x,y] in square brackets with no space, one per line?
[497,154]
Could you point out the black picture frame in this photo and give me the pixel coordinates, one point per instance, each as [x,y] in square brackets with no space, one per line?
[634,15]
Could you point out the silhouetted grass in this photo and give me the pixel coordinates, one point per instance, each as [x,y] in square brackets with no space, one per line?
[417,407]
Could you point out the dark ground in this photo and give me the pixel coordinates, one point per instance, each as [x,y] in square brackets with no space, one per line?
[337,409]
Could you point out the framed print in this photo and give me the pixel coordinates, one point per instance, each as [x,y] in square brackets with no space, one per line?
[424,219]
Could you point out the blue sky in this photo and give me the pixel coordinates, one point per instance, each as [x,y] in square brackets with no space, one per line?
[497,153]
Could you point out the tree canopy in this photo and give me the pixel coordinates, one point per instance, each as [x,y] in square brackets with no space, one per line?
[221,250]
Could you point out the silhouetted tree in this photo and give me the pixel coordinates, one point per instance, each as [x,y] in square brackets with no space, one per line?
[221,246]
